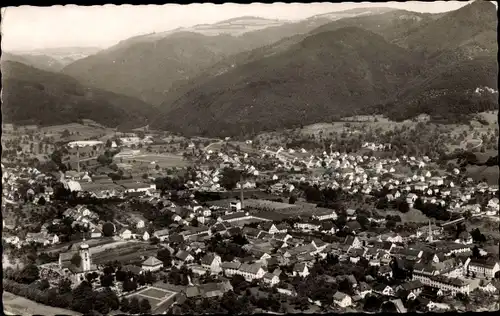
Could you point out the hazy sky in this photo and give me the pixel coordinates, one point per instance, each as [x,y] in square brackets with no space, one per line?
[28,27]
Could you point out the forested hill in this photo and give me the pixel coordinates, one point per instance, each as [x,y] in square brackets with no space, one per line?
[31,95]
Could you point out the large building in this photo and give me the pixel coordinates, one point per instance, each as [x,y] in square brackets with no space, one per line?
[76,272]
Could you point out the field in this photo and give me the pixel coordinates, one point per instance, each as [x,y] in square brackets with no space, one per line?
[17,305]
[479,173]
[126,253]
[80,132]
[162,160]
[155,295]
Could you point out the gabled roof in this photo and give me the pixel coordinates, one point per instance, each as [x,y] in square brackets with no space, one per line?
[339,296]
[152,262]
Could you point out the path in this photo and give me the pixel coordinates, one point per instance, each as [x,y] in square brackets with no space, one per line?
[212,144]
[18,305]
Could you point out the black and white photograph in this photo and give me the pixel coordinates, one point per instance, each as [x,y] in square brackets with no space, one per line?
[259,158]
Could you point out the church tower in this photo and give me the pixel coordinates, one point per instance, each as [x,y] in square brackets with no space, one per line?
[85,255]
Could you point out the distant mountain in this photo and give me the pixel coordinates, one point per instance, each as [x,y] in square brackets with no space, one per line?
[31,95]
[52,59]
[149,66]
[337,70]
[392,25]
[321,77]
[42,62]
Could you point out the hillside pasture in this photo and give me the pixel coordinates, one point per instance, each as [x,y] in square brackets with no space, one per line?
[80,131]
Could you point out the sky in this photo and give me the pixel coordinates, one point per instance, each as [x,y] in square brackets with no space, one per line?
[31,28]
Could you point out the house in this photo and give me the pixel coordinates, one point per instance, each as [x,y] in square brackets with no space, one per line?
[398,304]
[95,233]
[437,181]
[443,283]
[323,214]
[184,256]
[312,225]
[271,279]
[125,233]
[152,264]
[145,236]
[364,289]
[411,289]
[301,270]
[230,268]
[383,289]
[211,262]
[342,299]
[287,290]
[385,271]
[489,286]
[483,268]
[353,242]
[162,234]
[251,271]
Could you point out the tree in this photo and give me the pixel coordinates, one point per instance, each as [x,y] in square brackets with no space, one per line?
[362,220]
[44,285]
[230,178]
[64,286]
[107,280]
[108,229]
[292,199]
[145,307]
[134,307]
[403,207]
[109,143]
[164,256]
[76,260]
[65,134]
[41,201]
[29,274]
[372,304]
[124,305]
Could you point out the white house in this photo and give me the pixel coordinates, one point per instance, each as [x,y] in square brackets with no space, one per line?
[145,236]
[152,264]
[342,299]
[125,234]
[301,270]
[211,262]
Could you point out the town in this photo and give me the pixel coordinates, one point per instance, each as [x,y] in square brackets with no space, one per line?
[140,221]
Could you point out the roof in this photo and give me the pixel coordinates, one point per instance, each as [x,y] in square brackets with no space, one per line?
[208,259]
[412,285]
[230,265]
[183,255]
[299,267]
[250,268]
[152,262]
[339,296]
[233,216]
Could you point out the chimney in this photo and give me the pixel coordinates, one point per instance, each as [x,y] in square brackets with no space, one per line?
[241,189]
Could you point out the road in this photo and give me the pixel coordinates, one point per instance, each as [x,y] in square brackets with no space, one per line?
[465,142]
[18,305]
[212,144]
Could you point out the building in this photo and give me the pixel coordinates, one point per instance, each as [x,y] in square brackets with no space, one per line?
[211,262]
[301,270]
[152,264]
[251,272]
[323,214]
[342,299]
[483,268]
[76,272]
[446,284]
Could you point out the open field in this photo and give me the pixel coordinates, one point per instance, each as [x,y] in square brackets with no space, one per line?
[478,173]
[17,305]
[80,132]
[126,253]
[162,160]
